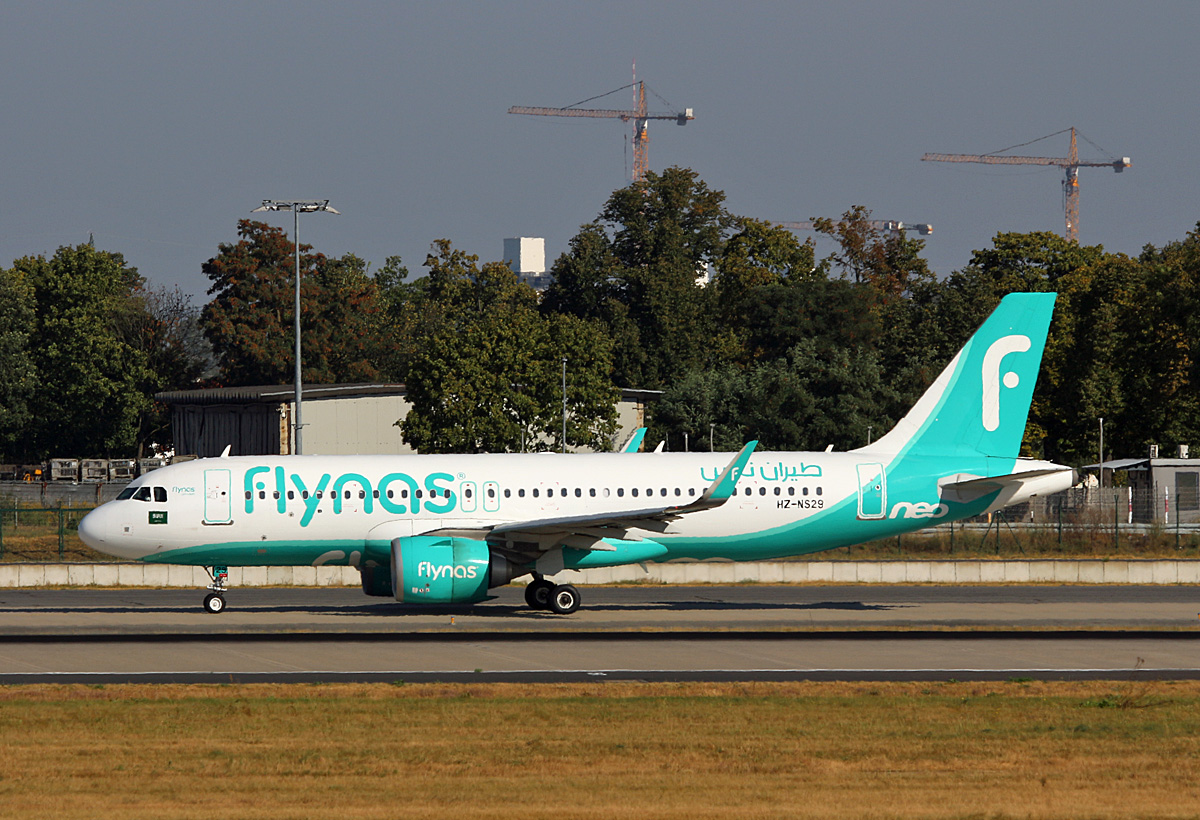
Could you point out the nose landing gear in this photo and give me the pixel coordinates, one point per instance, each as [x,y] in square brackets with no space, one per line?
[214,601]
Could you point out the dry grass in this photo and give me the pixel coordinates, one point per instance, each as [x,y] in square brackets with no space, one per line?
[33,535]
[617,750]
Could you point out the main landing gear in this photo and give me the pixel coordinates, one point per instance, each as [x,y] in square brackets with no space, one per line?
[214,601]
[561,599]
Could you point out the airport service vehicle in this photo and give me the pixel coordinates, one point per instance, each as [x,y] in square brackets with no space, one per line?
[444,529]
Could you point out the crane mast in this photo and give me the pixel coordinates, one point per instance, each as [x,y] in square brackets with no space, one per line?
[1070,164]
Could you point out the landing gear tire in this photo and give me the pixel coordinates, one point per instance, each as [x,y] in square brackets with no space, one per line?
[537,593]
[564,599]
[214,603]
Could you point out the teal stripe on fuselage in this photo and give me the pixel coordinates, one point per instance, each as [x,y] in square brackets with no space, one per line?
[268,553]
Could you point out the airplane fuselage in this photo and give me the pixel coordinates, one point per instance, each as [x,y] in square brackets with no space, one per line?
[294,510]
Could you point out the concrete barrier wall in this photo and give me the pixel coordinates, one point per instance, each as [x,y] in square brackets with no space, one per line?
[766,572]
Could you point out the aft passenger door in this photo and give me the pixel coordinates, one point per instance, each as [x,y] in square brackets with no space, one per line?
[872,491]
[218,508]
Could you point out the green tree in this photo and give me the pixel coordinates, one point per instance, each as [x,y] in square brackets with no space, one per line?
[815,396]
[758,254]
[341,325]
[486,368]
[18,376]
[90,396]
[251,315]
[1087,370]
[636,268]
[1163,393]
[833,312]
[889,262]
[667,231]
[586,277]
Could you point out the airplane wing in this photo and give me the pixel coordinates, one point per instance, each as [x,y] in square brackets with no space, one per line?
[587,531]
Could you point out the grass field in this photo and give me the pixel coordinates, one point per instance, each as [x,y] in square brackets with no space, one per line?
[616,750]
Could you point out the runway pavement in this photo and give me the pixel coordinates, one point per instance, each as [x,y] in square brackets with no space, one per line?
[745,632]
[739,608]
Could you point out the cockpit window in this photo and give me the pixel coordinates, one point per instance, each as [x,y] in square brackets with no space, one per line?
[126,493]
[160,494]
[142,494]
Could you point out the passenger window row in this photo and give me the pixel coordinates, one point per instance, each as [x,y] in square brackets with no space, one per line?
[160,493]
[779,491]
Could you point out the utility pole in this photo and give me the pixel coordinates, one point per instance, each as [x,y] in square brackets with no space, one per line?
[297,207]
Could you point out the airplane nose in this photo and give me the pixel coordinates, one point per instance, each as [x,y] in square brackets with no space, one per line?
[92,529]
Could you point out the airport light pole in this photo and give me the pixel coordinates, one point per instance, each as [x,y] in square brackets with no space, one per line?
[564,386]
[297,207]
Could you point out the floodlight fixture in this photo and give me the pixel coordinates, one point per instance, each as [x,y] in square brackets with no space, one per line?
[304,206]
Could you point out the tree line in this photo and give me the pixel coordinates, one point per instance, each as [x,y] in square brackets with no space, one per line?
[744,329]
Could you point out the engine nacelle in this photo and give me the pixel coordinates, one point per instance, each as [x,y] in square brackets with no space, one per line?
[437,569]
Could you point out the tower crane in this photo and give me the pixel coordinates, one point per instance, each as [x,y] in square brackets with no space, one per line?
[1070,163]
[639,115]
[893,226]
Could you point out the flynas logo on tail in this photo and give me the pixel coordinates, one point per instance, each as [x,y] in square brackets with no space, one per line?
[992,360]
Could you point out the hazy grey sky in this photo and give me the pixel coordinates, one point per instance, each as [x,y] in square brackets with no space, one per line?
[156,126]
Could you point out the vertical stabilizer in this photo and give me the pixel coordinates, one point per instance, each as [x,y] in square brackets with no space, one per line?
[980,402]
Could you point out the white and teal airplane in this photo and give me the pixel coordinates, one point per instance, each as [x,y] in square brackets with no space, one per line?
[447,528]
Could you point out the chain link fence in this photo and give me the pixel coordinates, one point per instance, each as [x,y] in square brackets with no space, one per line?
[1080,522]
[44,534]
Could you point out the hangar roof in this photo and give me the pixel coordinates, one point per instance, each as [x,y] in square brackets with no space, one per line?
[278,393]
[275,394]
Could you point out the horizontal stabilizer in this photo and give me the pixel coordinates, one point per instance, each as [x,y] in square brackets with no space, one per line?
[963,488]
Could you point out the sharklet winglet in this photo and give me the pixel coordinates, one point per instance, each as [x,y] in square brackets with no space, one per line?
[721,489]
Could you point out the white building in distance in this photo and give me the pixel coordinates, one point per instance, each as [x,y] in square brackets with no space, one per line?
[526,255]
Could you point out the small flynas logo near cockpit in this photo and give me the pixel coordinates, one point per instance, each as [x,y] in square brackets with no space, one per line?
[992,361]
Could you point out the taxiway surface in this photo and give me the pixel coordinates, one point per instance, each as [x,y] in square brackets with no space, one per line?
[651,633]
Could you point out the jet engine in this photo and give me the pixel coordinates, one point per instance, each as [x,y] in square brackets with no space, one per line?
[436,569]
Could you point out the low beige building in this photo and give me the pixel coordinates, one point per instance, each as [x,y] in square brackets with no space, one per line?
[339,419]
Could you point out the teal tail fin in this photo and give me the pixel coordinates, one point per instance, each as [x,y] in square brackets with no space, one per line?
[980,402]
